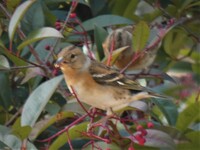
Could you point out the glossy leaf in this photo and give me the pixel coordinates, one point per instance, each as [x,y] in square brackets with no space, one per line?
[39,34]
[104,21]
[37,101]
[73,133]
[14,143]
[17,16]
[4,62]
[156,138]
[140,36]
[169,110]
[188,116]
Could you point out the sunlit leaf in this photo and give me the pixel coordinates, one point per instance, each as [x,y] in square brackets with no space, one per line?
[37,101]
[47,122]
[115,55]
[140,36]
[19,131]
[4,62]
[39,34]
[73,133]
[17,16]
[188,116]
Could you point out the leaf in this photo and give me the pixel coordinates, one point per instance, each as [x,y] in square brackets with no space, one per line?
[156,138]
[140,36]
[115,55]
[16,60]
[74,106]
[5,92]
[31,73]
[104,21]
[4,62]
[45,32]
[73,133]
[169,110]
[17,16]
[19,131]
[188,116]
[45,123]
[100,35]
[37,101]
[14,143]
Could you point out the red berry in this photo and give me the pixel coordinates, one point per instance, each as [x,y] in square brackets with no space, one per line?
[150,125]
[142,141]
[131,148]
[47,47]
[143,132]
[72,15]
[139,128]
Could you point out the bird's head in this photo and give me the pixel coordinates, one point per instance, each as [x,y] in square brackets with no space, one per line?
[72,57]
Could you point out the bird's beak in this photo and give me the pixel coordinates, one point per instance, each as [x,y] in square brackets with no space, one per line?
[58,62]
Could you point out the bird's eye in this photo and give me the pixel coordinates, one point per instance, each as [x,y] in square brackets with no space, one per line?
[72,56]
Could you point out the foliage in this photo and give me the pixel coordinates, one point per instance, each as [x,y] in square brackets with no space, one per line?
[37,110]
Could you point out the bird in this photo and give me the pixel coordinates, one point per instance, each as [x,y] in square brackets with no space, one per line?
[98,85]
[122,37]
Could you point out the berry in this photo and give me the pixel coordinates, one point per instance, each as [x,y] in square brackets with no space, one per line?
[150,125]
[131,148]
[143,132]
[139,128]
[72,15]
[47,47]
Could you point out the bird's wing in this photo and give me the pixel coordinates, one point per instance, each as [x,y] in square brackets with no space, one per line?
[109,76]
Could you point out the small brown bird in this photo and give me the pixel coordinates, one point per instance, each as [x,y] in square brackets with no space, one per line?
[123,37]
[98,85]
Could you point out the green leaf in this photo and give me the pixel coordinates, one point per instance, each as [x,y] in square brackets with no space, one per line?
[47,122]
[169,110]
[37,101]
[103,21]
[140,36]
[100,35]
[16,60]
[188,116]
[5,92]
[17,16]
[19,131]
[4,62]
[173,48]
[36,35]
[14,143]
[156,138]
[115,55]
[73,133]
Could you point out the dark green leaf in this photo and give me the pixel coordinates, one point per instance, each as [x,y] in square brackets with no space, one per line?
[5,92]
[100,35]
[169,110]
[104,21]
